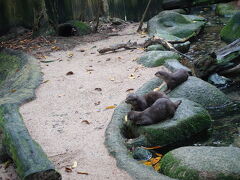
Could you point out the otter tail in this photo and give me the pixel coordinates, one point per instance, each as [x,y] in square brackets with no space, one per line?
[177,103]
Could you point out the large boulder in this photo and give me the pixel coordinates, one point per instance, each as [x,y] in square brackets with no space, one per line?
[190,119]
[157,58]
[174,26]
[231,31]
[200,92]
[215,163]
[174,65]
[226,9]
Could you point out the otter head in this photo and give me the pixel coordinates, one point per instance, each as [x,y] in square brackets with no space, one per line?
[161,74]
[132,99]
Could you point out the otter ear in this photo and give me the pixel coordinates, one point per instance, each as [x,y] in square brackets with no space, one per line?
[177,103]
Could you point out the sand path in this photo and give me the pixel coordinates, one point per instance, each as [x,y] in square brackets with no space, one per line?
[56,118]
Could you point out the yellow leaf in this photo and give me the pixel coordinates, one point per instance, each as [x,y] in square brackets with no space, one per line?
[157,167]
[155,147]
[147,163]
[126,118]
[155,160]
[134,59]
[70,54]
[112,79]
[74,164]
[158,154]
[13,90]
[131,76]
[111,107]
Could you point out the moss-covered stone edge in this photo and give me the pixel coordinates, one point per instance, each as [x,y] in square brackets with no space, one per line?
[35,79]
[115,142]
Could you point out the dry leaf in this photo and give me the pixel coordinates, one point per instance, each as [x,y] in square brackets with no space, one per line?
[13,90]
[131,76]
[158,154]
[150,148]
[45,81]
[97,103]
[74,164]
[119,57]
[69,73]
[70,54]
[84,173]
[86,121]
[126,118]
[112,79]
[155,160]
[98,89]
[88,70]
[111,107]
[55,48]
[156,89]
[68,169]
[157,167]
[147,163]
[134,59]
[131,89]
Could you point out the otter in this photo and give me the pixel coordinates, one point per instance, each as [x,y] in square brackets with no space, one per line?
[161,110]
[173,79]
[140,103]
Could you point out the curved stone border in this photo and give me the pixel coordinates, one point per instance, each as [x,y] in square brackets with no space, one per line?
[30,160]
[115,141]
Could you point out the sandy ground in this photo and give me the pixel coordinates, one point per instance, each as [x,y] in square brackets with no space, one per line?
[68,118]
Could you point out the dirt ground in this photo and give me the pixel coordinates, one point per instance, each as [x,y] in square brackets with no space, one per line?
[69,116]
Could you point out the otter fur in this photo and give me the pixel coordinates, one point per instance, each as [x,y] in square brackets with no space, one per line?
[140,103]
[161,110]
[173,79]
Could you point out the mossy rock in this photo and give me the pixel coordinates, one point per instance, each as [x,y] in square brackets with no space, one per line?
[231,31]
[174,26]
[9,65]
[174,65]
[182,47]
[197,163]
[73,28]
[226,9]
[200,92]
[157,58]
[190,119]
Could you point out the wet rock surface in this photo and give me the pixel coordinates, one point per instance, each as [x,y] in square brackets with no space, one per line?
[202,163]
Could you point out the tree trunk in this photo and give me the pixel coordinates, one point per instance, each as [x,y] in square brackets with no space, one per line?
[143,17]
[29,158]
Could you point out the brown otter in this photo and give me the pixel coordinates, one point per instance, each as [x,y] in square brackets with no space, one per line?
[161,110]
[173,79]
[140,103]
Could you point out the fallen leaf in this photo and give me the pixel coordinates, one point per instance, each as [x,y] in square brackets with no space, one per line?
[88,70]
[155,160]
[86,121]
[112,79]
[150,148]
[84,173]
[74,164]
[98,89]
[111,107]
[68,169]
[119,57]
[126,118]
[158,154]
[131,89]
[157,167]
[13,90]
[55,48]
[131,76]
[134,59]
[156,89]
[147,163]
[81,50]
[70,54]
[45,81]
[69,73]
[97,103]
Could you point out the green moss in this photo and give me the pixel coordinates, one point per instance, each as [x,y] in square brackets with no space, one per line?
[226,9]
[171,167]
[8,66]
[81,27]
[231,31]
